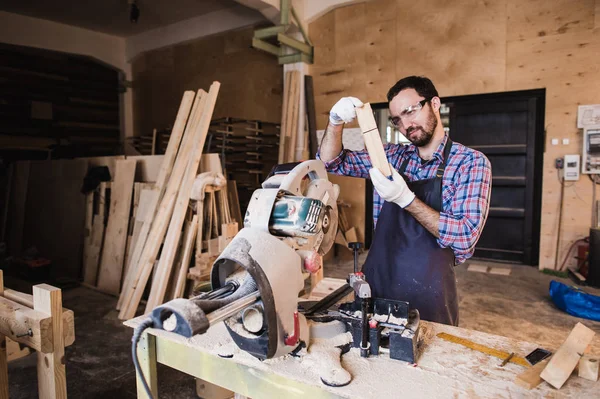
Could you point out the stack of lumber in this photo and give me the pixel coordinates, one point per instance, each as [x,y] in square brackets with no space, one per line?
[216,228]
[248,149]
[114,215]
[145,145]
[165,215]
[289,118]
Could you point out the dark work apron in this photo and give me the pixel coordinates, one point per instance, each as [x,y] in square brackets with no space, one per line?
[405,261]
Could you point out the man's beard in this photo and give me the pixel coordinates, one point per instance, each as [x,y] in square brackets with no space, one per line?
[423,134]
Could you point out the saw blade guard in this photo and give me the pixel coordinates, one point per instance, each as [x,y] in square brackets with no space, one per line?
[276,269]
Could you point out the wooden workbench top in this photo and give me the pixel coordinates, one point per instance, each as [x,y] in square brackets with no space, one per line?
[444,369]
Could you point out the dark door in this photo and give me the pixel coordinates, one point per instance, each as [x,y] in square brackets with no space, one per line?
[509,129]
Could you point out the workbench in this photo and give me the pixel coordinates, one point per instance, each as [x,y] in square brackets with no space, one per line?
[444,369]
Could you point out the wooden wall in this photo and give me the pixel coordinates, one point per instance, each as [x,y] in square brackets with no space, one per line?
[471,47]
[251,80]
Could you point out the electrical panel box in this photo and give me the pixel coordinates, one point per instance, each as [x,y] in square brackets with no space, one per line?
[571,167]
[590,162]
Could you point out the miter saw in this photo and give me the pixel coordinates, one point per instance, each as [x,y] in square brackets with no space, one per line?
[289,224]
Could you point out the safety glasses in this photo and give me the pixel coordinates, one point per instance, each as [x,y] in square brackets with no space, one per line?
[409,113]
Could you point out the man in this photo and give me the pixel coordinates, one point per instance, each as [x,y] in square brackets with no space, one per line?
[436,202]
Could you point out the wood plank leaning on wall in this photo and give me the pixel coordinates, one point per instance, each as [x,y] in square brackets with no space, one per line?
[159,187]
[113,253]
[181,205]
[289,117]
[186,166]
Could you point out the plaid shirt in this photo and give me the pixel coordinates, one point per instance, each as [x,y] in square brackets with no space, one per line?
[466,188]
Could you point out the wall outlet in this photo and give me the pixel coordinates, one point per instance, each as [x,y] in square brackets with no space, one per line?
[559,163]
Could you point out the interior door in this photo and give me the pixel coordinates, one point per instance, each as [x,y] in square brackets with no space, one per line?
[509,129]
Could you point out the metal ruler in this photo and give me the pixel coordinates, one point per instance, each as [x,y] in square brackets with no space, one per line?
[484,349]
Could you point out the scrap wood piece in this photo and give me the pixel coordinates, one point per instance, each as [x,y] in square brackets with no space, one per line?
[530,378]
[113,253]
[478,268]
[372,138]
[483,349]
[325,287]
[565,359]
[588,367]
[177,133]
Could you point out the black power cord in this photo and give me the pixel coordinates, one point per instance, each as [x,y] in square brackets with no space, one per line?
[137,335]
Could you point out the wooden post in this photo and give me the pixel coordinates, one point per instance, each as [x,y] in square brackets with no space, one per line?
[147,357]
[3,354]
[52,381]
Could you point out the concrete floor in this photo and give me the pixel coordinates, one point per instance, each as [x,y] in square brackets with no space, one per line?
[99,363]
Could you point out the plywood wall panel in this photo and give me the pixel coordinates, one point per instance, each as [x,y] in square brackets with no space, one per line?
[380,59]
[350,23]
[334,82]
[322,34]
[381,10]
[540,18]
[460,46]
[567,59]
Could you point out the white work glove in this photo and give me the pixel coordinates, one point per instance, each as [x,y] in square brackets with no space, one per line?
[343,111]
[395,191]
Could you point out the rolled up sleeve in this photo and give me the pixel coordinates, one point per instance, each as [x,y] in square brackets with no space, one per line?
[358,163]
[349,163]
[461,228]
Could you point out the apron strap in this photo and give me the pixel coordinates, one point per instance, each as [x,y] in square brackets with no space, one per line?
[441,168]
[447,147]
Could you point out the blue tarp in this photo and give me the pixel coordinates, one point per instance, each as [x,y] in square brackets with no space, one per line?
[574,301]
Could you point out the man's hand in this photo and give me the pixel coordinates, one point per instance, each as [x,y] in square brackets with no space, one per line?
[395,191]
[343,111]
